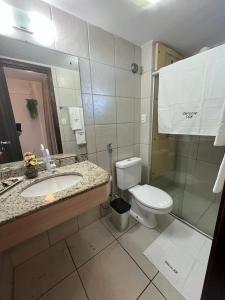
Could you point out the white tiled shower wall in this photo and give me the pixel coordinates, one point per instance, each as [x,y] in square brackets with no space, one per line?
[111,96]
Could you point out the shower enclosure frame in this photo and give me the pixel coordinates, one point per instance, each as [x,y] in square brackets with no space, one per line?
[214,287]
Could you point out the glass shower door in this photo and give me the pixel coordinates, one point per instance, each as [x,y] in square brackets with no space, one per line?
[186,167]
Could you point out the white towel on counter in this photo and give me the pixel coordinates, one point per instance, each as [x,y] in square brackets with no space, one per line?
[192,93]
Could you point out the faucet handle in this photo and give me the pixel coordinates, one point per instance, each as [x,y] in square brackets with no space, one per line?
[52,163]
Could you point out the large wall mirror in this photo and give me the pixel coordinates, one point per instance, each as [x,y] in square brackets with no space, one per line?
[40,101]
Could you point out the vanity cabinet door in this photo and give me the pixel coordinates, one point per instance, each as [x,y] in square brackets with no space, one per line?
[10,149]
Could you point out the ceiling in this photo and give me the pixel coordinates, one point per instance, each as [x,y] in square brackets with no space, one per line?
[23,74]
[186,25]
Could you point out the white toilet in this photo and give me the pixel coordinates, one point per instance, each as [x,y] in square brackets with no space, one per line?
[146,200]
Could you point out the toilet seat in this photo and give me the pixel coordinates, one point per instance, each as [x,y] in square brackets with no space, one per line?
[152,197]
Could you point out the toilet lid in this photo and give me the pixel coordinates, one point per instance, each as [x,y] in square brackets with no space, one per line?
[151,196]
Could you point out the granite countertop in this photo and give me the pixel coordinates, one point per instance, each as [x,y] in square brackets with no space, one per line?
[12,205]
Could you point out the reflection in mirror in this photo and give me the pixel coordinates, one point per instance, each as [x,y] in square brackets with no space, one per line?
[40,102]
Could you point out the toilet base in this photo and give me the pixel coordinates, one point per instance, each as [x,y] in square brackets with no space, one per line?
[147,220]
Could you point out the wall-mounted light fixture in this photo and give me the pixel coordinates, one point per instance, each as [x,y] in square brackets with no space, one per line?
[11,19]
[145,4]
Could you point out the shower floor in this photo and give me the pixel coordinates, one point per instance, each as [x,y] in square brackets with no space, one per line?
[181,254]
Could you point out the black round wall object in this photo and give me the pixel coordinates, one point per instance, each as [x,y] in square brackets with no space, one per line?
[134,67]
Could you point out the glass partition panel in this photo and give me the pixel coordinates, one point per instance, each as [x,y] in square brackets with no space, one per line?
[186,167]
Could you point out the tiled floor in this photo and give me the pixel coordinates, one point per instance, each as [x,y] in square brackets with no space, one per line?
[97,263]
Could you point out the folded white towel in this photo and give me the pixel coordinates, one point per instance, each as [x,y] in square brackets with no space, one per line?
[218,186]
[192,93]
[80,137]
[75,118]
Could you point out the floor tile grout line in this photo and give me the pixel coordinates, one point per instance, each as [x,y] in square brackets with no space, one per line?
[144,290]
[117,239]
[158,289]
[134,261]
[28,259]
[76,269]
[71,256]
[52,287]
[53,245]
[151,282]
[96,254]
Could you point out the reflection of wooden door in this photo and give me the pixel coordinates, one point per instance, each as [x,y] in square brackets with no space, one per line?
[164,145]
[165,56]
[10,149]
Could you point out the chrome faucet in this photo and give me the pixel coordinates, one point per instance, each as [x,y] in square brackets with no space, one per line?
[50,165]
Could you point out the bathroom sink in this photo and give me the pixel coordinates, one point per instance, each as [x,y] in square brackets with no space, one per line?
[51,185]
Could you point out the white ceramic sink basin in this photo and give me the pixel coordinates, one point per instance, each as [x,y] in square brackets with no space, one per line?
[51,185]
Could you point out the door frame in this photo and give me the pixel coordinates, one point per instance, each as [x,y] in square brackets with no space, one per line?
[8,130]
[10,63]
[214,284]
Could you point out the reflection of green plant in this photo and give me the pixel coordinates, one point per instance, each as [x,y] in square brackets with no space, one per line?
[32,107]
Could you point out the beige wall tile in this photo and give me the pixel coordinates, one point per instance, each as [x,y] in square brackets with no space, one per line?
[103,159]
[105,134]
[124,53]
[124,83]
[89,217]
[65,24]
[93,157]
[90,136]
[66,78]
[125,152]
[88,109]
[62,231]
[47,269]
[103,79]
[125,134]
[102,45]
[85,75]
[125,110]
[29,248]
[104,109]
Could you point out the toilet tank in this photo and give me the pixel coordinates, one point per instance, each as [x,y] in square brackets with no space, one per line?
[128,172]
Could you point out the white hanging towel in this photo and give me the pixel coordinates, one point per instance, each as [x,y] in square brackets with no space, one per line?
[80,137]
[75,118]
[220,136]
[192,93]
[218,186]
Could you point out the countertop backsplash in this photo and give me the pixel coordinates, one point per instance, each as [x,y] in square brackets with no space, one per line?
[15,169]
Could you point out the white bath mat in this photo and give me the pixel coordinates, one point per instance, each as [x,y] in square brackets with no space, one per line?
[181,254]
